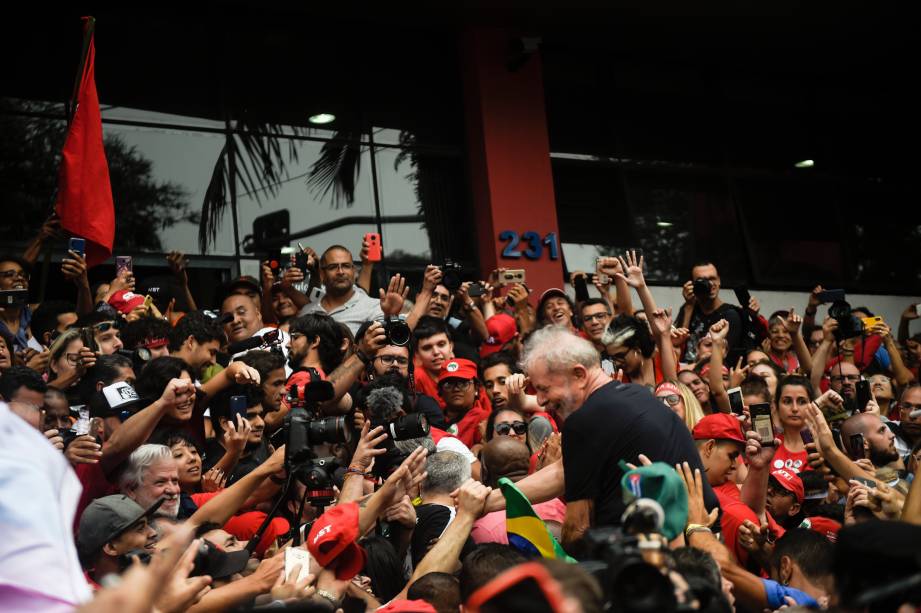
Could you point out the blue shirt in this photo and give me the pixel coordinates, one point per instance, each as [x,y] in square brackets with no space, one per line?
[20,339]
[775,595]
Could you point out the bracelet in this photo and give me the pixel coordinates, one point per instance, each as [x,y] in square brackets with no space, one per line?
[355,471]
[329,596]
[361,356]
[692,528]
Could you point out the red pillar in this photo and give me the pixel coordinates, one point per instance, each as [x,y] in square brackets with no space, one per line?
[509,155]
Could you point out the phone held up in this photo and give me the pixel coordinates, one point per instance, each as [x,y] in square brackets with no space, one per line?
[762,422]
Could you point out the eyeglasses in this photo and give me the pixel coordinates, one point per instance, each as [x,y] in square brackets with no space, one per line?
[345,266]
[456,384]
[390,360]
[840,378]
[620,358]
[12,274]
[295,335]
[504,428]
[671,399]
[907,406]
[595,317]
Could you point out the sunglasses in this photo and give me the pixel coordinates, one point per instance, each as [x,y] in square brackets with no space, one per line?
[671,399]
[104,326]
[504,428]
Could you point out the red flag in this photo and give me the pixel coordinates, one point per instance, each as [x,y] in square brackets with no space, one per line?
[85,194]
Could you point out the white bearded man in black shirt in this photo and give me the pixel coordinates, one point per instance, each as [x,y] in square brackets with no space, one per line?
[604,421]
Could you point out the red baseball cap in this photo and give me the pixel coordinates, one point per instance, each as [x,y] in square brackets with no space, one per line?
[332,541]
[125,301]
[408,606]
[791,482]
[502,329]
[458,368]
[720,426]
[823,525]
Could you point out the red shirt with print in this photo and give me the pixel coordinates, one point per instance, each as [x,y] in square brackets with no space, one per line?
[794,461]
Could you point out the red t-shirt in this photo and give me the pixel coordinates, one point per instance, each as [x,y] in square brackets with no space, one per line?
[735,512]
[795,461]
[95,485]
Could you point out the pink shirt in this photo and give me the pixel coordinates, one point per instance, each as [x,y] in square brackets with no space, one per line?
[491,527]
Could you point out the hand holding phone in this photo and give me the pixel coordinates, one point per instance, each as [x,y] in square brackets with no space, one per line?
[736,403]
[237,407]
[581,288]
[762,422]
[863,395]
[855,444]
[373,240]
[293,557]
[123,263]
[77,245]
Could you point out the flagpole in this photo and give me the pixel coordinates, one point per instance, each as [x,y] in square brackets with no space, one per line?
[70,108]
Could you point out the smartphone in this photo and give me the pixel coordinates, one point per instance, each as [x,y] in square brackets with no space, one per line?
[512,275]
[237,407]
[863,395]
[475,290]
[869,322]
[864,481]
[374,246]
[603,279]
[831,295]
[856,447]
[123,262]
[82,425]
[762,423]
[77,245]
[806,434]
[735,401]
[294,556]
[14,297]
[743,296]
[581,288]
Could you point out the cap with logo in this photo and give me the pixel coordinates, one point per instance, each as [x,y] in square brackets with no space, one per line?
[719,426]
[502,329]
[791,482]
[125,301]
[458,368]
[332,541]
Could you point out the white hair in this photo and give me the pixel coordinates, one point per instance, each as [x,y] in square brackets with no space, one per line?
[447,471]
[559,349]
[139,462]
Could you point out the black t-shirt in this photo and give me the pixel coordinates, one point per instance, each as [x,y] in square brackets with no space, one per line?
[700,327]
[619,422]
[428,406]
[214,451]
[431,522]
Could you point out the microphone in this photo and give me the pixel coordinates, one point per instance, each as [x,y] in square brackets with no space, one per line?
[385,403]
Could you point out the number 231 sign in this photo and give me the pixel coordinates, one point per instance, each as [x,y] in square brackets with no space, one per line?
[529,244]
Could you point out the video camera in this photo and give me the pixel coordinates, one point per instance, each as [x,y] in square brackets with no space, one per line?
[384,406]
[304,428]
[629,568]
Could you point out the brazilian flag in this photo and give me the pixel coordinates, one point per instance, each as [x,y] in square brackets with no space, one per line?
[526,531]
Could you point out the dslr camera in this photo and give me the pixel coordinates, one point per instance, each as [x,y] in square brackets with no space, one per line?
[849,325]
[702,287]
[451,275]
[398,333]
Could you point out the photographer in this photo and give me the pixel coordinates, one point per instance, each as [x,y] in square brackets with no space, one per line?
[702,308]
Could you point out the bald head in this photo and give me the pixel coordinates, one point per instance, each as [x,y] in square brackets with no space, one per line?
[503,456]
[861,423]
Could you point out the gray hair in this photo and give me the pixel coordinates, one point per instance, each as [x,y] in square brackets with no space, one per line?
[447,471]
[139,462]
[559,349]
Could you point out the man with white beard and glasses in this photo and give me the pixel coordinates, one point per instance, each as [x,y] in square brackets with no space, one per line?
[604,421]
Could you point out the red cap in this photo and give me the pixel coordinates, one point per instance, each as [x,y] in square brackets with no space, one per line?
[824,526]
[706,371]
[408,606]
[550,293]
[125,301]
[458,368]
[332,539]
[720,426]
[791,482]
[501,330]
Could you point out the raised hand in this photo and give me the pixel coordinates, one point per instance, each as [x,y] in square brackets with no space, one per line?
[814,300]
[214,480]
[633,270]
[368,447]
[83,450]
[177,264]
[402,512]
[392,299]
[236,435]
[720,330]
[74,268]
[240,373]
[660,321]
[374,339]
[610,266]
[471,498]
[793,322]
[910,312]
[291,276]
[431,278]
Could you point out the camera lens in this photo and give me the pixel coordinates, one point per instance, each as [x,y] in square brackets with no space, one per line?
[701,287]
[398,332]
[410,426]
[329,430]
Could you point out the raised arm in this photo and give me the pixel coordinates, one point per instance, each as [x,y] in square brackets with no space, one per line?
[177,264]
[820,359]
[902,375]
[793,323]
[834,457]
[660,320]
[623,300]
[754,490]
[367,268]
[718,332]
[632,275]
[430,281]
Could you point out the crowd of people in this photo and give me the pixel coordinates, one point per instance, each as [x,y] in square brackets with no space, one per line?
[310,441]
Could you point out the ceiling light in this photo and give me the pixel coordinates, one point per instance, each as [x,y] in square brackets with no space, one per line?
[322,118]
[805,164]
[664,224]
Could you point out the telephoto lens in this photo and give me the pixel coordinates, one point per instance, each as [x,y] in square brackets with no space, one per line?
[328,430]
[701,287]
[398,333]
